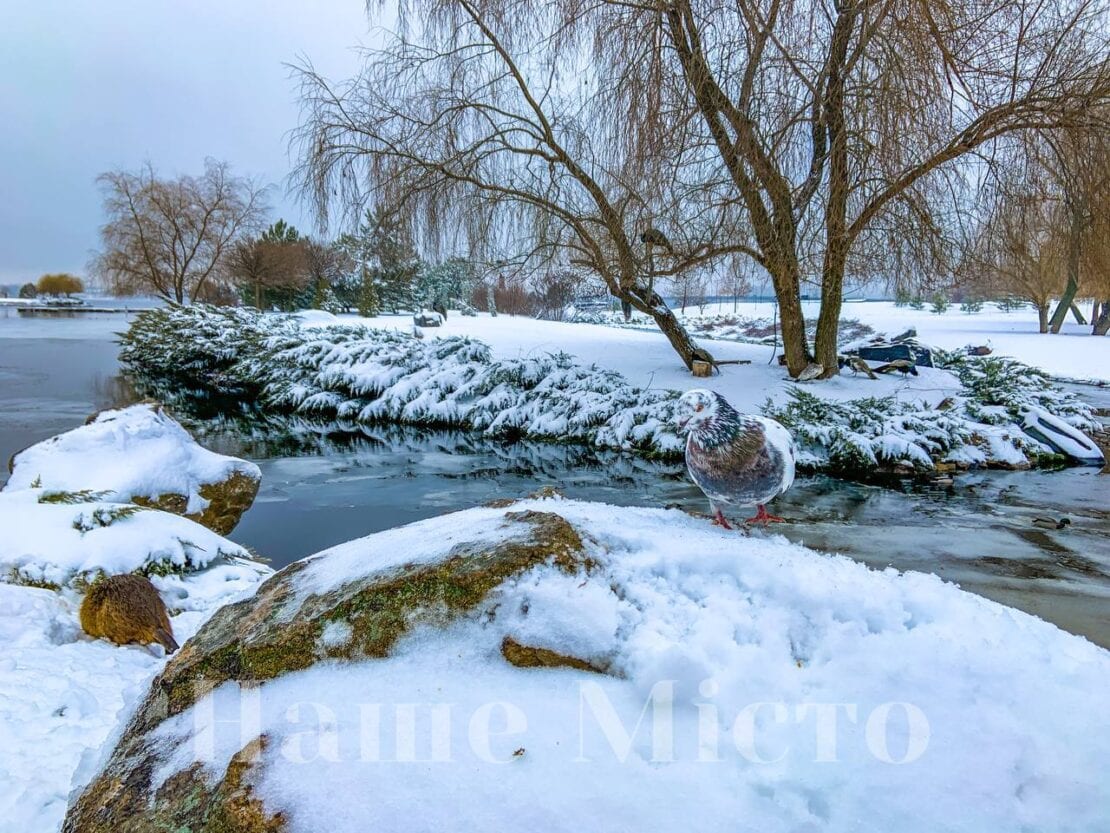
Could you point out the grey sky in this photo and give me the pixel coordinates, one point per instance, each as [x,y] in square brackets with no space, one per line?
[90,85]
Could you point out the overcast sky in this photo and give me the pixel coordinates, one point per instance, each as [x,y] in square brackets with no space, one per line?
[91,85]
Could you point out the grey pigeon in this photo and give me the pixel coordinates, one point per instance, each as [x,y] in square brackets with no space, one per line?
[736,459]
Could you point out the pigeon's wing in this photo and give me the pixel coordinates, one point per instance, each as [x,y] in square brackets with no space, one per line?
[779,439]
[746,471]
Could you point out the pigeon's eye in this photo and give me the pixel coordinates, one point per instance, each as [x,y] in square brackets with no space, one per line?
[699,407]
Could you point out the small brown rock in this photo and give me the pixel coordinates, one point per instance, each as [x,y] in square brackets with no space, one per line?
[127,609]
[527,656]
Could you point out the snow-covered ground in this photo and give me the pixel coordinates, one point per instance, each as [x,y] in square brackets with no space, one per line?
[64,520]
[647,360]
[63,695]
[1073,353]
[751,684]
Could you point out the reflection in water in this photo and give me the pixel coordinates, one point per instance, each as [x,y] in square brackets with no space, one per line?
[52,383]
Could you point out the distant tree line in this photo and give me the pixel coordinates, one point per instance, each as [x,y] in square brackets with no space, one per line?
[57,284]
[203,238]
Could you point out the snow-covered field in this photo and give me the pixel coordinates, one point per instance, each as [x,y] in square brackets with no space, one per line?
[646,359]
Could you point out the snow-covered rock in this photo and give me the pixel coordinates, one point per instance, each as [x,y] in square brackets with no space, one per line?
[141,455]
[557,665]
[58,539]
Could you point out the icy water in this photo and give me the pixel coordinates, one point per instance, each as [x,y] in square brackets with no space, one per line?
[323,485]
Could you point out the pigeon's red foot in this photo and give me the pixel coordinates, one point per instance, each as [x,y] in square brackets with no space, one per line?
[761,517]
[720,521]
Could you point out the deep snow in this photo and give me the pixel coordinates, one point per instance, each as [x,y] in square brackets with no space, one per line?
[64,696]
[952,712]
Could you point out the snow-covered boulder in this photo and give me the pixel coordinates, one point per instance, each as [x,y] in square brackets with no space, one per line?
[555,665]
[141,455]
[55,539]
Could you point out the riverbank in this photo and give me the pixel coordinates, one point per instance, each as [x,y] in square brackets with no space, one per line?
[985,411]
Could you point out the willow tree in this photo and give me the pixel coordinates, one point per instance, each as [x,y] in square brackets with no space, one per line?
[1076,161]
[842,123]
[1018,249]
[492,131]
[808,135]
[171,237]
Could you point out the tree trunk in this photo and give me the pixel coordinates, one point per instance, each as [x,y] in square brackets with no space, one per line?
[1075,233]
[828,321]
[1042,316]
[832,276]
[1102,323]
[1079,319]
[649,302]
[836,209]
[792,324]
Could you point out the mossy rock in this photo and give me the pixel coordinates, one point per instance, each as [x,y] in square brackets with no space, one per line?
[529,656]
[281,629]
[227,501]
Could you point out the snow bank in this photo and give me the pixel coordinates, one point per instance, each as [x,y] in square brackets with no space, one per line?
[749,682]
[59,538]
[368,375]
[64,696]
[133,452]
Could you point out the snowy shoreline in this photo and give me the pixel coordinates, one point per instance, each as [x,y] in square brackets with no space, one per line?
[317,364]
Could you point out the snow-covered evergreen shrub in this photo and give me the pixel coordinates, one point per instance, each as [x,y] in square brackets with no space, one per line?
[856,436]
[353,372]
[198,344]
[363,376]
[998,387]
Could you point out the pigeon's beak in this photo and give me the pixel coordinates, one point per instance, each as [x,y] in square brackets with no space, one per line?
[682,422]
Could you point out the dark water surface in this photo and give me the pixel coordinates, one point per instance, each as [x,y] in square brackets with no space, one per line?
[323,485]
